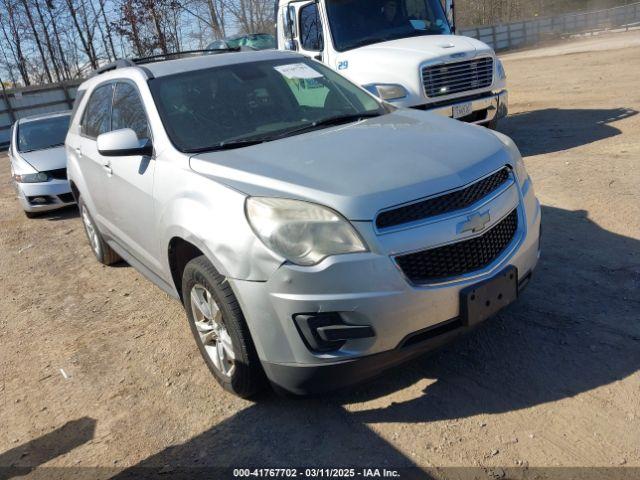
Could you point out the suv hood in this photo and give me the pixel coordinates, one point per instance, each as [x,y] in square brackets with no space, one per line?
[361,168]
[47,159]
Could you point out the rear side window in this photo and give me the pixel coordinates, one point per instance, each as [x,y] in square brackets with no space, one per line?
[128,111]
[97,115]
[310,28]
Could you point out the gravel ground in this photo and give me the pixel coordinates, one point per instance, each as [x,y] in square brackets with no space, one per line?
[552,381]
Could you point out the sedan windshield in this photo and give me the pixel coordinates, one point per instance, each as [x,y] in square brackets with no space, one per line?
[233,106]
[356,23]
[41,134]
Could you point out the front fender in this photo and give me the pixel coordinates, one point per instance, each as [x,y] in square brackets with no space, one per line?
[215,223]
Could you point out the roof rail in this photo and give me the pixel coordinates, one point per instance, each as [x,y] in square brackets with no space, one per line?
[132,62]
[121,63]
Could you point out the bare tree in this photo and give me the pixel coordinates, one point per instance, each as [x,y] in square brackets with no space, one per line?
[13,38]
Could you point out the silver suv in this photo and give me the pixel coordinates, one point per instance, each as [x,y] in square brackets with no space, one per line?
[314,235]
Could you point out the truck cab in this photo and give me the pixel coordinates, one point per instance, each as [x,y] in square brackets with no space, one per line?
[403,51]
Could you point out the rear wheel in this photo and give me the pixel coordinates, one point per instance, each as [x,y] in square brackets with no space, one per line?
[103,252]
[220,330]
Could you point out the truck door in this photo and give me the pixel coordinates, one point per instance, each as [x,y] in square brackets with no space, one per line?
[303,29]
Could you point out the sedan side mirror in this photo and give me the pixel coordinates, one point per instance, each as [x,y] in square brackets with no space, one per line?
[122,143]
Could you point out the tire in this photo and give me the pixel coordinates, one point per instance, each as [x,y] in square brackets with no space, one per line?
[103,252]
[492,124]
[31,214]
[238,371]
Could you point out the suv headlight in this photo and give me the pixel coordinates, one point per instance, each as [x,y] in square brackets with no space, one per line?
[514,153]
[387,91]
[31,177]
[501,74]
[303,233]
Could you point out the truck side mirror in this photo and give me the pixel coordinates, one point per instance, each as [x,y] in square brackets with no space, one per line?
[450,11]
[290,22]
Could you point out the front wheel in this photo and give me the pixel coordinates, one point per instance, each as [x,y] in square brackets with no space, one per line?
[220,330]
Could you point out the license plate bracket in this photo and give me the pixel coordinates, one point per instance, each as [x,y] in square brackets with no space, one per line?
[462,110]
[483,300]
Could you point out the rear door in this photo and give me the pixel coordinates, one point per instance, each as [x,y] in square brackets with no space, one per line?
[96,120]
[130,182]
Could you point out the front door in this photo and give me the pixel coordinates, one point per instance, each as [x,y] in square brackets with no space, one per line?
[130,181]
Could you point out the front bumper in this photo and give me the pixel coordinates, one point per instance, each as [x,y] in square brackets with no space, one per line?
[369,289]
[44,196]
[483,109]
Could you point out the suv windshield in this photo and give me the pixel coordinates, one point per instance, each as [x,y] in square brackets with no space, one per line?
[237,105]
[41,134]
[356,23]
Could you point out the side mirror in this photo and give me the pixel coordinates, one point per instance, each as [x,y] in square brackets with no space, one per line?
[450,10]
[122,143]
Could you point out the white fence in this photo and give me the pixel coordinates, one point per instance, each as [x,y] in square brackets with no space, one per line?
[19,103]
[530,32]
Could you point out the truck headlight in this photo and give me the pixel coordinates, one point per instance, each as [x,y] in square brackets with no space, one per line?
[31,177]
[501,74]
[387,91]
[303,233]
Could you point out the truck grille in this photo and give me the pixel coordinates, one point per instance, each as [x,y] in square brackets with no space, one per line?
[450,78]
[448,202]
[459,258]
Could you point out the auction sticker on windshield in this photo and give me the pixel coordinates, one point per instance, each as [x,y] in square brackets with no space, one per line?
[298,70]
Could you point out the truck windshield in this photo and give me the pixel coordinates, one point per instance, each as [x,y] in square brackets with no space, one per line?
[238,105]
[41,134]
[356,23]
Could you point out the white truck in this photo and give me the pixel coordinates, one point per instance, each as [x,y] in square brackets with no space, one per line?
[403,51]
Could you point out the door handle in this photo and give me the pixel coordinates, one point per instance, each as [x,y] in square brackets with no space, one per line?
[79,152]
[107,168]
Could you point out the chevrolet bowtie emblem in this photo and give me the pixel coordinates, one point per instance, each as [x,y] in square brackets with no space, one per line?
[474,223]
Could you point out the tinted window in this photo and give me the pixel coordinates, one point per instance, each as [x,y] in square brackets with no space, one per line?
[97,115]
[310,28]
[128,111]
[45,133]
[206,109]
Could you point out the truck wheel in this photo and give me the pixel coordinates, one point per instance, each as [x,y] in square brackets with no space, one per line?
[220,330]
[30,214]
[103,252]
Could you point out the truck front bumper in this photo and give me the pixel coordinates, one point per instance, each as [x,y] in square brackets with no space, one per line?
[484,109]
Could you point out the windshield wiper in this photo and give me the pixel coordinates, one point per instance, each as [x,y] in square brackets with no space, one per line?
[226,146]
[232,144]
[339,120]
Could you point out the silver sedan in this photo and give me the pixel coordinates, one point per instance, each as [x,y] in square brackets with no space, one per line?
[39,162]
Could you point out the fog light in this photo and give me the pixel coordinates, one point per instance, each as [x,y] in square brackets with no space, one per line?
[326,332]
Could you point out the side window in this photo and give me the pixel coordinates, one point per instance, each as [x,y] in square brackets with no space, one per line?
[97,114]
[310,28]
[128,111]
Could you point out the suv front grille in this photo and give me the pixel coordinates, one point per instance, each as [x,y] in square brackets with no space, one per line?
[446,203]
[459,258]
[441,80]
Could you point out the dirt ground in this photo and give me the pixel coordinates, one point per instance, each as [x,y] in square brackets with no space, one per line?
[552,381]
